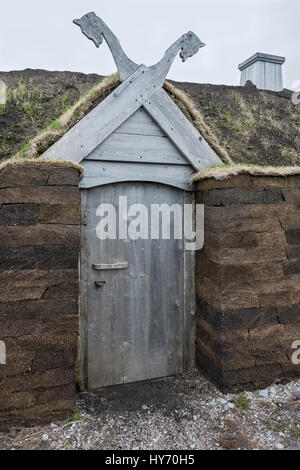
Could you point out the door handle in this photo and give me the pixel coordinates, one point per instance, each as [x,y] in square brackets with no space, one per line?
[99,284]
[120,265]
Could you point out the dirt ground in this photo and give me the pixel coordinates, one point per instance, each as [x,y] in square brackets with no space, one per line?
[185,412]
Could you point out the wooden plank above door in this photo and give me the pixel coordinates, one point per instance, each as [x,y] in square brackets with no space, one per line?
[98,173]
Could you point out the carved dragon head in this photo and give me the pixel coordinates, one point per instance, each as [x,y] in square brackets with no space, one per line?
[89,25]
[96,30]
[191,45]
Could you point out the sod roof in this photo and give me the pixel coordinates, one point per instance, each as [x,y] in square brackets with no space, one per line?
[243,125]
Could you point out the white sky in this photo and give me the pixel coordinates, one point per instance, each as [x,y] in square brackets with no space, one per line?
[40,34]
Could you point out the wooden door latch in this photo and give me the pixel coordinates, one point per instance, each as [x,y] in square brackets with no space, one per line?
[99,284]
[120,265]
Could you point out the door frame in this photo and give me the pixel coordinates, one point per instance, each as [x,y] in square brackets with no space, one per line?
[189,297]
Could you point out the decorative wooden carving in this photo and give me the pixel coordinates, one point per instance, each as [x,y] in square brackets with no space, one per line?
[141,87]
[95,29]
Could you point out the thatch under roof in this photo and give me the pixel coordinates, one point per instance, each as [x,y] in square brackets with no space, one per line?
[39,163]
[220,173]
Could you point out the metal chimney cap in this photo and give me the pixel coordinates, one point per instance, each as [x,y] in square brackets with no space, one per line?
[259,56]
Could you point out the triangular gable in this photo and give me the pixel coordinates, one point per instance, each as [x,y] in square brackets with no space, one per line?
[139,150]
[139,140]
[141,89]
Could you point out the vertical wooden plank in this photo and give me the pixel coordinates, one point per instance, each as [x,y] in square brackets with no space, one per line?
[108,305]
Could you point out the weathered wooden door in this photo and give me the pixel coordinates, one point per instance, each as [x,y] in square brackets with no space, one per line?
[135,324]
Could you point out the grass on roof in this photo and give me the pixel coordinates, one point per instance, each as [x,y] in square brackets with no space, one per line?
[71,114]
[35,147]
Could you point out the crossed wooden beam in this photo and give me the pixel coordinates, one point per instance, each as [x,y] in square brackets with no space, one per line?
[141,87]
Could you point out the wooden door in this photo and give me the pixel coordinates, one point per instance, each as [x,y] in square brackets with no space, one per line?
[135,316]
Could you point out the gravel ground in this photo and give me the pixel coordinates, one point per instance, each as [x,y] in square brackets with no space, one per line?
[185,412]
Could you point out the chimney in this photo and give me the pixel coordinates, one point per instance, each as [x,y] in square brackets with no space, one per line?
[264,71]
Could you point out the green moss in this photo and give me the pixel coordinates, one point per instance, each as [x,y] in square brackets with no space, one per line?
[64,106]
[23,153]
[77,112]
[26,100]
[242,403]
[77,416]
[295,431]
[55,125]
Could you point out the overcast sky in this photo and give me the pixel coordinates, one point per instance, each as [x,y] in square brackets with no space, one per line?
[40,34]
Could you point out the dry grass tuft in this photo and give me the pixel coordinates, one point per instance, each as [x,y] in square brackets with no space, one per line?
[40,163]
[199,123]
[226,171]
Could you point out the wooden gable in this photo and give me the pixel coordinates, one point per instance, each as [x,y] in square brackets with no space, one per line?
[138,150]
[137,133]
[141,140]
